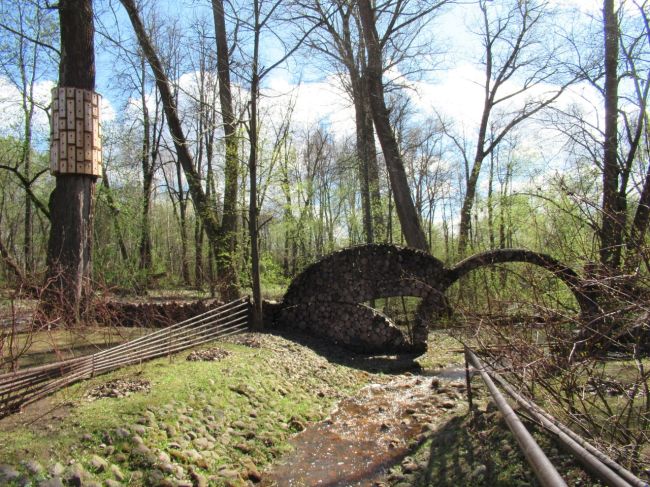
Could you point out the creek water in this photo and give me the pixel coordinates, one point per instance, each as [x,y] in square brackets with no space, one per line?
[362,438]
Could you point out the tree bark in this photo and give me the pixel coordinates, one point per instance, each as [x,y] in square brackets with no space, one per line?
[147,181]
[373,221]
[257,318]
[226,268]
[406,212]
[115,213]
[611,230]
[640,222]
[71,204]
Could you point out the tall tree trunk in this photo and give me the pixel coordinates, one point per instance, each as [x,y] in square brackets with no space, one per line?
[201,202]
[72,201]
[373,221]
[372,166]
[465,225]
[226,268]
[613,219]
[406,212]
[198,254]
[28,246]
[490,203]
[363,157]
[147,181]
[182,213]
[640,223]
[115,212]
[257,319]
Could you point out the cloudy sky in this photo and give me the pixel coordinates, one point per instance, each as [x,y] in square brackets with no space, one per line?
[453,90]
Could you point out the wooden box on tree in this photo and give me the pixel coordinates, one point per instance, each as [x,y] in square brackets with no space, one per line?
[76,146]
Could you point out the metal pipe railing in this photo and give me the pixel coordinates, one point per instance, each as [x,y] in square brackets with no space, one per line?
[546,473]
[592,459]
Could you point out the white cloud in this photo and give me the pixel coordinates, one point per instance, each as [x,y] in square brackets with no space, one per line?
[11,123]
[458,95]
[321,102]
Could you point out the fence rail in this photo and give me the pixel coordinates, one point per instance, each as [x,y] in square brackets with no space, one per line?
[594,461]
[17,389]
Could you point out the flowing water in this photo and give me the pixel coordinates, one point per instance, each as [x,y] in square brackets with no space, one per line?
[363,437]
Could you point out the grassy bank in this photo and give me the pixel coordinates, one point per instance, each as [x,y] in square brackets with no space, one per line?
[196,421]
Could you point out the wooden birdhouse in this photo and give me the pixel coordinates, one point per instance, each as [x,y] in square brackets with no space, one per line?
[76,145]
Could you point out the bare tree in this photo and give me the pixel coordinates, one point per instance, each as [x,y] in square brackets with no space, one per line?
[616,68]
[228,231]
[634,49]
[409,219]
[202,204]
[257,22]
[27,54]
[611,230]
[514,54]
[340,40]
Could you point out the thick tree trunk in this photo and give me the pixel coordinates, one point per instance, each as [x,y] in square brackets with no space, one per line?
[406,212]
[372,168]
[362,156]
[145,235]
[252,212]
[226,268]
[373,222]
[613,219]
[72,201]
[465,226]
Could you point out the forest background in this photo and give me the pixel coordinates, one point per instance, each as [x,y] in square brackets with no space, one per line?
[509,132]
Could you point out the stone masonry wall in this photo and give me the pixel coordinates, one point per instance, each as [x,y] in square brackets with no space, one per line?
[328,297]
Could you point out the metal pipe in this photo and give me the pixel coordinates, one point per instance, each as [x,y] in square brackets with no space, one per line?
[594,460]
[133,347]
[544,470]
[229,307]
[84,373]
[9,376]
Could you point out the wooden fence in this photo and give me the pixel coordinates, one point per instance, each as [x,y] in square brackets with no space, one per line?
[17,389]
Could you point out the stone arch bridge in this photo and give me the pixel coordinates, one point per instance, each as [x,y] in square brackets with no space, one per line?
[328,298]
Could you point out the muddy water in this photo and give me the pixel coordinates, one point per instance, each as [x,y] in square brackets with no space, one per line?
[363,436]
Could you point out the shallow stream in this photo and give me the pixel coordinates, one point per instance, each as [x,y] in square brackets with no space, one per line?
[367,434]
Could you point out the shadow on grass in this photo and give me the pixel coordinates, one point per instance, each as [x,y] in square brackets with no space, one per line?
[463,452]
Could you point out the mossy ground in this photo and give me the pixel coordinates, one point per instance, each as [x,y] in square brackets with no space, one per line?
[224,422]
[240,409]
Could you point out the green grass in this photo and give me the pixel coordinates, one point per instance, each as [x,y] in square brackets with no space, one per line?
[261,388]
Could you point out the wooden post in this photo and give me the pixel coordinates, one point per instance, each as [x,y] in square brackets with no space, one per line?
[468,382]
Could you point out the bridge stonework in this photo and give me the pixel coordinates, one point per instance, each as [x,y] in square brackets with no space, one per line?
[329,297]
